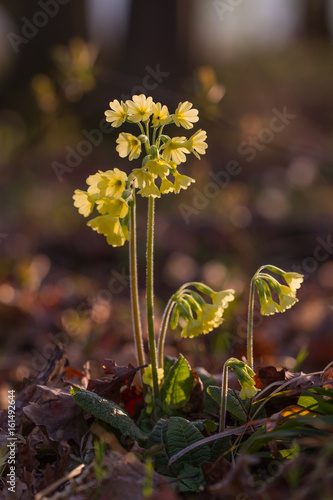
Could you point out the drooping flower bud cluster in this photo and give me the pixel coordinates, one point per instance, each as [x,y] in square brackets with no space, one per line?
[193,314]
[285,294]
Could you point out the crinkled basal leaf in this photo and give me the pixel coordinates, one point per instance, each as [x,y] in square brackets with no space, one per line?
[177,385]
[108,412]
[158,437]
[181,433]
[234,406]
[221,447]
[193,479]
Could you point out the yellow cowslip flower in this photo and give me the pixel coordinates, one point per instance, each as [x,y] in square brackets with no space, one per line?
[117,208]
[175,149]
[128,145]
[211,317]
[244,375]
[147,377]
[157,167]
[166,186]
[116,235]
[193,328]
[287,298]
[139,108]
[196,143]
[223,298]
[139,178]
[118,114]
[269,307]
[160,116]
[184,116]
[181,181]
[294,280]
[84,202]
[110,183]
[150,190]
[247,391]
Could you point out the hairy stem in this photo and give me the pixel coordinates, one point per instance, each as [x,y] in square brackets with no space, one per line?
[137,328]
[150,294]
[163,330]
[250,325]
[224,396]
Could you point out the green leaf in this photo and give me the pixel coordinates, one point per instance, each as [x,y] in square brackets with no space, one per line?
[177,385]
[315,402]
[168,363]
[181,433]
[193,479]
[109,412]
[210,425]
[234,406]
[238,408]
[158,437]
[221,447]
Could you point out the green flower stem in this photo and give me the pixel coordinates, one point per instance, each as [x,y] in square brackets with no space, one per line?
[150,294]
[250,324]
[163,330]
[134,286]
[224,396]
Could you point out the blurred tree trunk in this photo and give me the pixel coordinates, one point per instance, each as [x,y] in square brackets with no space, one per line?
[158,35]
[316,20]
[33,54]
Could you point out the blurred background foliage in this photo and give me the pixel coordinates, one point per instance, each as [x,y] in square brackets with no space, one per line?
[60,65]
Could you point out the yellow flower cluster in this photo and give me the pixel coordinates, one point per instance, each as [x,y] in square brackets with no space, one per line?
[163,153]
[286,294]
[196,316]
[106,192]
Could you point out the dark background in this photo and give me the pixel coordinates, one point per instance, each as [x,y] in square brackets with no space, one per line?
[60,280]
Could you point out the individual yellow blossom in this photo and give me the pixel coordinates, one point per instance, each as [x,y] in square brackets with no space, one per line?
[139,178]
[147,377]
[192,329]
[247,391]
[150,190]
[118,114]
[175,149]
[139,108]
[110,183]
[84,202]
[128,145]
[158,168]
[287,298]
[117,208]
[196,143]
[211,317]
[269,307]
[116,235]
[184,116]
[223,298]
[166,186]
[160,116]
[95,183]
[181,181]
[294,280]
